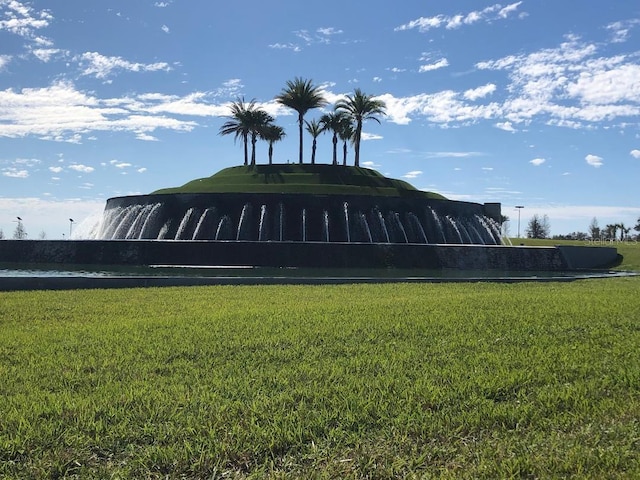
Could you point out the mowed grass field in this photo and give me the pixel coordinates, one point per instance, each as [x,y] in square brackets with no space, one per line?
[486,380]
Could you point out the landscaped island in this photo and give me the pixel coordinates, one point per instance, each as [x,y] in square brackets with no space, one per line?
[300,203]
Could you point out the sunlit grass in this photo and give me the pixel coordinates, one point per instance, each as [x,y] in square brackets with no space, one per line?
[352,381]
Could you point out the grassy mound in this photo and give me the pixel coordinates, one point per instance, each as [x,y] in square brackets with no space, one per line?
[296,178]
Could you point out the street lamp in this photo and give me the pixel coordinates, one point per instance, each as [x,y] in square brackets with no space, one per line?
[70,227]
[519,207]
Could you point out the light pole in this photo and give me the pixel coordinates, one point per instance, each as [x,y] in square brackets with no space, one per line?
[70,227]
[519,207]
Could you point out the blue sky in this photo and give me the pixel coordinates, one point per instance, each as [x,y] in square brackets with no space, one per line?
[533,103]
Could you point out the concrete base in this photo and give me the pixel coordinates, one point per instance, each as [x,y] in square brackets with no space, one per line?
[305,254]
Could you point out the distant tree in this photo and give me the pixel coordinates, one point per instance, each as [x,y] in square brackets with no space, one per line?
[314,128]
[571,236]
[624,230]
[42,235]
[301,95]
[1,234]
[610,231]
[19,233]
[272,133]
[594,229]
[334,123]
[360,107]
[538,227]
[637,227]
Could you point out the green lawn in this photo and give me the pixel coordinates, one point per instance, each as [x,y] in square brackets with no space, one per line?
[487,380]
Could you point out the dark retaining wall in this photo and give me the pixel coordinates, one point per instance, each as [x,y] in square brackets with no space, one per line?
[305,255]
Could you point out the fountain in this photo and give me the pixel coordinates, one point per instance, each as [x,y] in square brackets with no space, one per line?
[315,216]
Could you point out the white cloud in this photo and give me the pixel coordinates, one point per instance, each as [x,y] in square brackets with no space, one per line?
[370,136]
[536,162]
[14,172]
[413,174]
[102,66]
[81,168]
[370,164]
[165,29]
[4,61]
[480,92]
[442,63]
[328,31]
[569,86]
[635,153]
[23,20]
[286,46]
[620,31]
[506,126]
[494,12]
[46,54]
[60,112]
[141,170]
[119,164]
[55,169]
[593,160]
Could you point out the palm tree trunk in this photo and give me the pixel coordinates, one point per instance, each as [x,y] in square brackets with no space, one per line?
[313,152]
[356,146]
[253,149]
[270,153]
[344,154]
[300,120]
[335,148]
[246,150]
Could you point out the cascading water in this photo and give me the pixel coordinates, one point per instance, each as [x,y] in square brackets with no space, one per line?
[343,221]
[181,234]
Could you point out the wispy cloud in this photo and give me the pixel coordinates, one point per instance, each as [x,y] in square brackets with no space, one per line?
[494,12]
[536,162]
[442,63]
[19,18]
[620,31]
[635,153]
[101,66]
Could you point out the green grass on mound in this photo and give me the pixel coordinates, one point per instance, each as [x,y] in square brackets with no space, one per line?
[296,178]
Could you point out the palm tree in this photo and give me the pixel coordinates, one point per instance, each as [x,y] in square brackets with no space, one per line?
[360,107]
[346,135]
[333,122]
[259,120]
[315,128]
[301,95]
[239,123]
[272,133]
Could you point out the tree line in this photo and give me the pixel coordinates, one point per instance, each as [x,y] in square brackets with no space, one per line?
[250,123]
[538,227]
